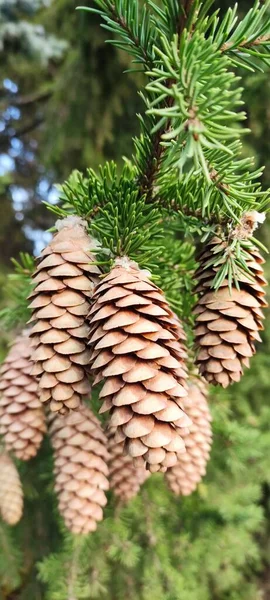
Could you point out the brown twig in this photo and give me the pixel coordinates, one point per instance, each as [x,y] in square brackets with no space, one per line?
[31,98]
[185,9]
[28,127]
[246,44]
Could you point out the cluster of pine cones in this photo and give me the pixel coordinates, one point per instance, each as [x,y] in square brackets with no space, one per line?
[117,329]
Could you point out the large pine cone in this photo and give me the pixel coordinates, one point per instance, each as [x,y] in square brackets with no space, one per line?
[81,472]
[22,419]
[125,478]
[136,349]
[11,494]
[64,283]
[228,321]
[184,477]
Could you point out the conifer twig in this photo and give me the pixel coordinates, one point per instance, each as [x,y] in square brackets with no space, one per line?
[147,180]
[119,19]
[246,43]
[185,8]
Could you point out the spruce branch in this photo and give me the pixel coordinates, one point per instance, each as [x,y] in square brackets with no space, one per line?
[246,42]
[130,24]
[200,117]
[185,9]
[176,16]
[233,187]
[19,286]
[117,214]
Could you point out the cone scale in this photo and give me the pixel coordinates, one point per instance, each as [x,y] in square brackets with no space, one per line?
[64,283]
[125,478]
[228,321]
[22,420]
[135,349]
[11,494]
[80,466]
[184,477]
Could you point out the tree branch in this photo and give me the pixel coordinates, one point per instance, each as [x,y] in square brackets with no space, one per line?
[246,44]
[147,180]
[31,98]
[123,24]
[185,8]
[28,127]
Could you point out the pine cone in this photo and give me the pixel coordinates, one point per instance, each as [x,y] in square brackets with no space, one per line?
[64,280]
[136,350]
[125,478]
[80,469]
[22,420]
[11,494]
[184,477]
[227,321]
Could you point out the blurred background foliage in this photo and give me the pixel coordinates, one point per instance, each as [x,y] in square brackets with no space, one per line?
[65,103]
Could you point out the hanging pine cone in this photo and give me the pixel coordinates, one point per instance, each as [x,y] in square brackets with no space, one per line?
[227,321]
[184,477]
[22,420]
[136,349]
[11,494]
[80,469]
[64,283]
[125,478]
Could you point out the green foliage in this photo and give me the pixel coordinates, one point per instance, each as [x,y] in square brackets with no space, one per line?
[199,116]
[19,288]
[132,25]
[169,548]
[30,38]
[189,178]
[120,219]
[11,558]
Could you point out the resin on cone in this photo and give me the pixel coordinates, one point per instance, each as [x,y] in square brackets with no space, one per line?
[184,477]
[22,419]
[125,478]
[228,321]
[64,283]
[11,494]
[136,350]
[80,466]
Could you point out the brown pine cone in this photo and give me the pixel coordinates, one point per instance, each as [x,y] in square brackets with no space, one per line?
[184,477]
[125,478]
[228,321]
[136,349]
[81,472]
[11,494]
[64,283]
[22,420]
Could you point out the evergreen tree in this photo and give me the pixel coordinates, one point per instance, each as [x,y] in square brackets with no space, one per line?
[187,183]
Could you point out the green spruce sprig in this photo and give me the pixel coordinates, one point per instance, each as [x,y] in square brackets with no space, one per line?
[19,286]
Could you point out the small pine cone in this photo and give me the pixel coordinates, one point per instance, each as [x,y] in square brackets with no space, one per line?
[81,472]
[228,321]
[64,280]
[125,478]
[22,419]
[184,477]
[136,350]
[11,494]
